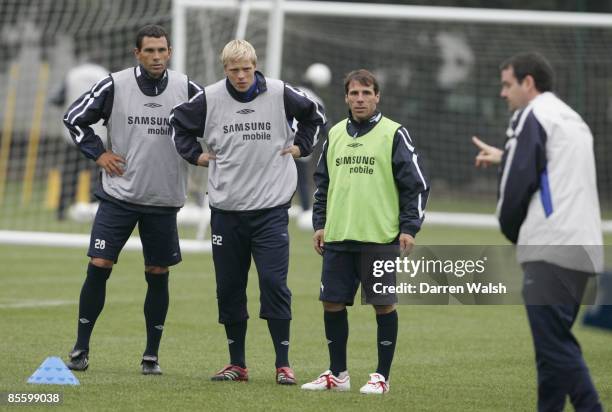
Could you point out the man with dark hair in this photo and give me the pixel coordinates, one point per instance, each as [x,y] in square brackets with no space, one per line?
[152,30]
[371,194]
[245,122]
[143,182]
[534,65]
[548,205]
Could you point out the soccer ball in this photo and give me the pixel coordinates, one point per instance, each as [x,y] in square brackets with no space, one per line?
[83,212]
[318,74]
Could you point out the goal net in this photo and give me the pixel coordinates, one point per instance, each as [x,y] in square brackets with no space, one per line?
[45,183]
[438,69]
[439,74]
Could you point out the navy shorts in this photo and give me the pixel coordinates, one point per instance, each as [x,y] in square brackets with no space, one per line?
[114,224]
[344,271]
[238,236]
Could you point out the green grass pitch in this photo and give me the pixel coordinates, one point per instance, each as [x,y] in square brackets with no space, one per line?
[448,358]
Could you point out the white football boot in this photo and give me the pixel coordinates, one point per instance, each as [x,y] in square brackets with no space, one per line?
[376,385]
[327,381]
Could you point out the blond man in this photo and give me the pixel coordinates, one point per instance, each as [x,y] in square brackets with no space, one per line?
[245,122]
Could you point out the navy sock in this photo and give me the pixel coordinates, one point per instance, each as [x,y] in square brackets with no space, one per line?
[91,303]
[386,338]
[336,332]
[236,336]
[279,331]
[155,309]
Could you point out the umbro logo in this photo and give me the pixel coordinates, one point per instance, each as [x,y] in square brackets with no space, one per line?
[386,343]
[83,320]
[153,105]
[354,145]
[285,343]
[159,327]
[245,111]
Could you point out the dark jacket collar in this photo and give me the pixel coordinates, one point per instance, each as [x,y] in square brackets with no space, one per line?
[149,85]
[256,89]
[357,129]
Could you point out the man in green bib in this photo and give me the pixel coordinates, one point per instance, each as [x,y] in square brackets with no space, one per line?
[371,194]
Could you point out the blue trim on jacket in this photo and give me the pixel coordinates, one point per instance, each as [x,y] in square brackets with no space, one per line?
[545,196]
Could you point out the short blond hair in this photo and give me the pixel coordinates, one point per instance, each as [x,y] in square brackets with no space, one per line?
[238,50]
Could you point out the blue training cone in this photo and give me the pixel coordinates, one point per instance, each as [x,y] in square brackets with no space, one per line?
[53,371]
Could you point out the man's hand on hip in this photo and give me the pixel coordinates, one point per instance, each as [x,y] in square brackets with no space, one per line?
[111,163]
[205,159]
[294,150]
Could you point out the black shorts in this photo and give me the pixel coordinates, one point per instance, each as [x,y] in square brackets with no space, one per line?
[343,271]
[114,224]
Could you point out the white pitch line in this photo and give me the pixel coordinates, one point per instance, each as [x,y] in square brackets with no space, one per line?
[31,303]
[36,304]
